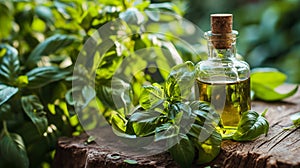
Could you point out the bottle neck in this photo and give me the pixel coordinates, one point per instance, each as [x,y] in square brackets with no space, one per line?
[221,46]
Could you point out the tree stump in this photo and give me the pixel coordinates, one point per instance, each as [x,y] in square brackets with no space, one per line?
[280,148]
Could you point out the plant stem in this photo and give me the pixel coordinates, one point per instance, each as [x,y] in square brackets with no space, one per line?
[4,131]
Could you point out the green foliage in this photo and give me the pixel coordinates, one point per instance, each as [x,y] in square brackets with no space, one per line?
[264,82]
[13,150]
[40,43]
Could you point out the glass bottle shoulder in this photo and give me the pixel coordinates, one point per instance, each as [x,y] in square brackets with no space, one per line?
[229,69]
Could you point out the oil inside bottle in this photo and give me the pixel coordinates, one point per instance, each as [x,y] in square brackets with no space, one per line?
[229,99]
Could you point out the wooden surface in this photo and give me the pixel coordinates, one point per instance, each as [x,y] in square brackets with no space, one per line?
[280,148]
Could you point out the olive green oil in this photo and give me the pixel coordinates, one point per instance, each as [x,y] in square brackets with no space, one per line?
[229,99]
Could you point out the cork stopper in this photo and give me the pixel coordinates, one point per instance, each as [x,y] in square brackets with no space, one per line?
[222,35]
[221,23]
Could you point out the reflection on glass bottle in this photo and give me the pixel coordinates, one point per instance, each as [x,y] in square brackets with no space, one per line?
[223,80]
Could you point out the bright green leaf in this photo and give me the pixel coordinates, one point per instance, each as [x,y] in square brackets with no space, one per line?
[13,150]
[6,93]
[180,81]
[265,80]
[129,161]
[208,149]
[250,126]
[34,110]
[151,96]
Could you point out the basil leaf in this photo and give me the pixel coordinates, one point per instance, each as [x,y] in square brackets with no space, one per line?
[144,122]
[34,110]
[9,65]
[49,46]
[13,150]
[41,76]
[250,126]
[180,81]
[166,131]
[208,149]
[151,96]
[265,80]
[6,93]
[183,152]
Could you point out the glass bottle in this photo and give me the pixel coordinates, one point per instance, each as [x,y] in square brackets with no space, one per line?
[223,80]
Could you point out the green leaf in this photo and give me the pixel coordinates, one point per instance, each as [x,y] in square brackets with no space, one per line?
[296,119]
[13,150]
[180,81]
[144,122]
[6,93]
[41,76]
[208,149]
[115,94]
[49,46]
[88,94]
[151,96]
[166,131]
[183,152]
[9,65]
[129,161]
[6,20]
[132,16]
[250,126]
[265,80]
[34,110]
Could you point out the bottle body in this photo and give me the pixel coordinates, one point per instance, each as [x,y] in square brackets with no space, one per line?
[224,81]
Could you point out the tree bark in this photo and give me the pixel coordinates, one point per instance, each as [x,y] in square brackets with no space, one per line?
[280,148]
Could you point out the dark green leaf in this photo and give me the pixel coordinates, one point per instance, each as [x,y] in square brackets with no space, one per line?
[6,93]
[265,80]
[151,96]
[144,122]
[183,152]
[115,94]
[41,76]
[5,112]
[10,64]
[13,150]
[49,46]
[180,82]
[166,131]
[250,126]
[34,110]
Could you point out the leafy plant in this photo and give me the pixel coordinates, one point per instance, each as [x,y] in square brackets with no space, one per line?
[169,113]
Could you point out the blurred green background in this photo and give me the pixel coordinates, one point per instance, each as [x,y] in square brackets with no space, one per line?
[269,30]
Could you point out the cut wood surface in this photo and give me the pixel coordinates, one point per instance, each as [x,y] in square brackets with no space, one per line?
[280,148]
